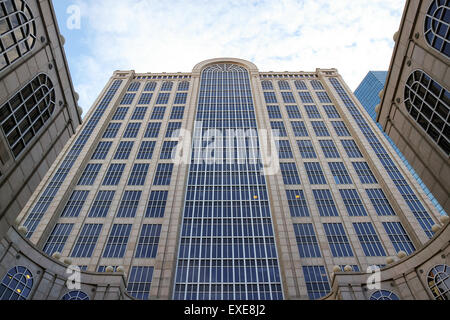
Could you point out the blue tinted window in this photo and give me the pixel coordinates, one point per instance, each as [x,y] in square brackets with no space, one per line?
[139,282]
[337,239]
[114,174]
[297,203]
[90,174]
[307,243]
[369,239]
[117,241]
[399,238]
[306,149]
[129,204]
[101,204]
[156,205]
[353,202]
[316,280]
[139,174]
[148,241]
[325,203]
[16,284]
[57,239]
[124,150]
[75,204]
[87,241]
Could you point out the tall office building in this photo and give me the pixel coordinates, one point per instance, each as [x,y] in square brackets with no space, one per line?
[38,105]
[174,180]
[415,107]
[368,93]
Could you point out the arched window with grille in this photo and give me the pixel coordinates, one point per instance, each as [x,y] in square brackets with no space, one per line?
[439,282]
[17,31]
[384,295]
[267,85]
[24,115]
[75,295]
[437,26]
[428,103]
[284,85]
[183,86]
[16,284]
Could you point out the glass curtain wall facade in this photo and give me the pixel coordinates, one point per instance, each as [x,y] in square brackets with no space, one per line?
[227,246]
[368,93]
[218,224]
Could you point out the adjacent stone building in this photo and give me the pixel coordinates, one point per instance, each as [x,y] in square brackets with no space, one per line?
[38,105]
[415,107]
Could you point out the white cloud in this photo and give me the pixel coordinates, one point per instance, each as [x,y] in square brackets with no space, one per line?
[353,36]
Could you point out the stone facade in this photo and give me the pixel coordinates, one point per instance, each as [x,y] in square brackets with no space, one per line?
[409,278]
[22,170]
[412,52]
[50,276]
[41,224]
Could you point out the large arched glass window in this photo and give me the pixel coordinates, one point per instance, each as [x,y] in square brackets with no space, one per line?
[437,29]
[428,103]
[384,295]
[16,284]
[439,282]
[24,115]
[17,30]
[75,295]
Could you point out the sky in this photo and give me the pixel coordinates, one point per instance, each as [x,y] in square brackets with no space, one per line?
[354,36]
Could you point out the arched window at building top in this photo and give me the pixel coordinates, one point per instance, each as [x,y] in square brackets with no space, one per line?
[428,103]
[437,26]
[439,282]
[267,85]
[16,284]
[300,85]
[183,86]
[167,86]
[134,87]
[24,115]
[17,31]
[284,85]
[150,86]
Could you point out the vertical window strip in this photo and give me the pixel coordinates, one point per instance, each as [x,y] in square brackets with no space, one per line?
[129,204]
[156,205]
[148,241]
[87,241]
[368,237]
[398,236]
[117,241]
[75,204]
[101,204]
[353,203]
[337,239]
[325,203]
[307,243]
[57,239]
[297,203]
